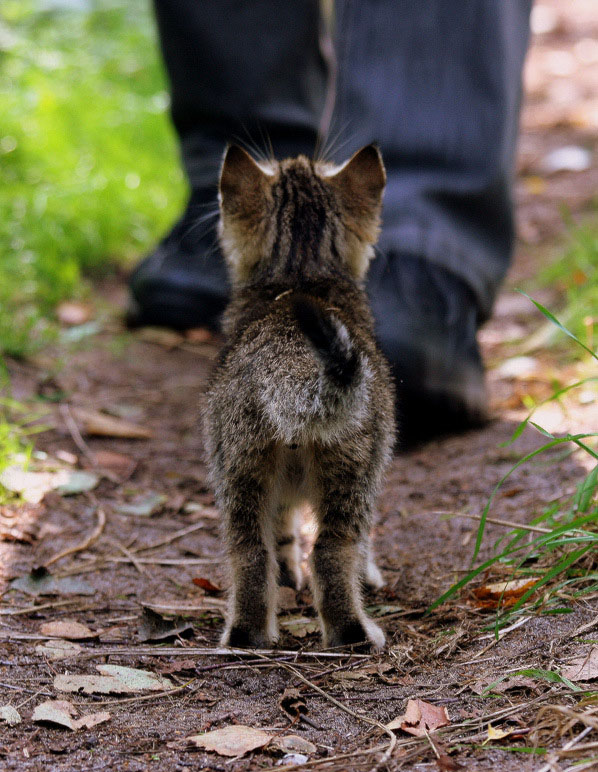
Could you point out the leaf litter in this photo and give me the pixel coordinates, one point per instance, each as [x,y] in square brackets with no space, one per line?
[233,741]
[69,629]
[62,713]
[420,717]
[41,582]
[114,679]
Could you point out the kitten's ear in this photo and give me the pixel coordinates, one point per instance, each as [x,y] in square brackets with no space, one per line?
[241,179]
[361,181]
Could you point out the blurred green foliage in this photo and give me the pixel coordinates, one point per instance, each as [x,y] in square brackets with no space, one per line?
[575,275]
[89,171]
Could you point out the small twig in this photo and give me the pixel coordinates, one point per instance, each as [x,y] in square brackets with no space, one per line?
[23,689]
[432,745]
[71,425]
[494,521]
[130,558]
[198,651]
[93,536]
[32,609]
[163,561]
[173,537]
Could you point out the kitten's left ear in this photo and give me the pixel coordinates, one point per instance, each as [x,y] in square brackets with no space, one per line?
[361,181]
[241,180]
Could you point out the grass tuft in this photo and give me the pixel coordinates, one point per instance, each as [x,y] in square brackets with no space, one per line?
[566,556]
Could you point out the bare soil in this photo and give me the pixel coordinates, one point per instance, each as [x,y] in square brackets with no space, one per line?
[446,658]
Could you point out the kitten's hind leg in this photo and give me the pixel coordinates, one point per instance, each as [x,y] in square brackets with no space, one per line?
[287,546]
[245,504]
[344,517]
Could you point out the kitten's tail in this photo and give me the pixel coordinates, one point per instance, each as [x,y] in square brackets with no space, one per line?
[331,341]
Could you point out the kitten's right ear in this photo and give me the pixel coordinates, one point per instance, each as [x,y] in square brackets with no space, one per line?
[241,180]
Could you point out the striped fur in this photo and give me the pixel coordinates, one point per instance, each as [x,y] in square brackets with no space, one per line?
[300,407]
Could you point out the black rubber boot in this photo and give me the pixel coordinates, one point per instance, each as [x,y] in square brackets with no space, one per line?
[183,283]
[426,324]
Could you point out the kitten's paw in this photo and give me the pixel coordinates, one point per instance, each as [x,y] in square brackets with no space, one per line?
[238,637]
[363,633]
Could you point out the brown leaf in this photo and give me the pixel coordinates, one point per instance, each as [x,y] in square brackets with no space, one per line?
[292,703]
[115,679]
[55,712]
[583,668]
[287,598]
[420,717]
[179,666]
[446,764]
[200,335]
[102,425]
[160,336]
[504,594]
[67,628]
[62,713]
[73,312]
[58,649]
[118,463]
[206,585]
[299,626]
[92,719]
[231,740]
[292,743]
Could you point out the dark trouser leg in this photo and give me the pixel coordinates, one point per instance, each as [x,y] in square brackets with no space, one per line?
[239,71]
[237,67]
[438,86]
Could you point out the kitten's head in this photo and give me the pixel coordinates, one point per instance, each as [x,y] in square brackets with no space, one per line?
[299,217]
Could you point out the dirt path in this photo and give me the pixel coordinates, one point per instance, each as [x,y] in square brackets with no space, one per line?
[160,536]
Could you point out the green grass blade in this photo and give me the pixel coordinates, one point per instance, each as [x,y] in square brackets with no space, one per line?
[556,322]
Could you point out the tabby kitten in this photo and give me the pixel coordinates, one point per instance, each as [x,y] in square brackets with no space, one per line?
[300,407]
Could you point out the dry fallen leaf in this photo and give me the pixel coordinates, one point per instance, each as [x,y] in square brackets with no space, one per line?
[41,582]
[160,336]
[583,668]
[10,715]
[118,463]
[287,598]
[446,764]
[293,743]
[206,585]
[504,594]
[55,712]
[67,628]
[142,506]
[58,649]
[62,713]
[115,679]
[299,626]
[231,740]
[292,703]
[495,734]
[73,312]
[200,335]
[103,425]
[420,717]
